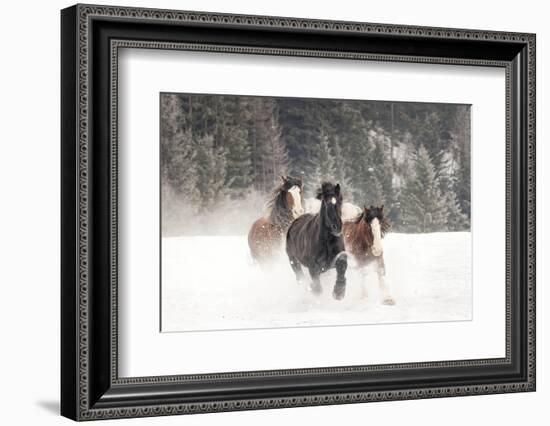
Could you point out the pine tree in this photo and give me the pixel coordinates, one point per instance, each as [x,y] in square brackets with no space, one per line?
[232,135]
[274,155]
[179,194]
[352,130]
[373,170]
[461,138]
[424,208]
[300,121]
[268,151]
[323,165]
[182,173]
[239,163]
[374,193]
[383,169]
[211,171]
[463,184]
[178,169]
[170,112]
[456,220]
[341,171]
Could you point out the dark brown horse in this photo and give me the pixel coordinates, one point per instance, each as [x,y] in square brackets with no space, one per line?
[315,241]
[363,240]
[267,234]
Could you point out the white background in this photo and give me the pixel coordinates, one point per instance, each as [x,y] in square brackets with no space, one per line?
[146,352]
[29,225]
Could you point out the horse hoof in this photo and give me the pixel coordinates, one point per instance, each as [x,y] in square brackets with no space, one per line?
[339,294]
[316,290]
[388,301]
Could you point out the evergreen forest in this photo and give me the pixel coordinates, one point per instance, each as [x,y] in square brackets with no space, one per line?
[221,156]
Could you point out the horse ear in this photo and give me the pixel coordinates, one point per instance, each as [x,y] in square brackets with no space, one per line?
[337,189]
[284,179]
[366,209]
[382,207]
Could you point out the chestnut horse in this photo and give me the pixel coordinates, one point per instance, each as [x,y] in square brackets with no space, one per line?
[266,235]
[363,240]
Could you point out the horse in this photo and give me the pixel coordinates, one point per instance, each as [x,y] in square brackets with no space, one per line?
[266,234]
[316,241]
[363,241]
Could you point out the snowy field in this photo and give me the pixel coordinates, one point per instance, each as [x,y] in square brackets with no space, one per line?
[211,283]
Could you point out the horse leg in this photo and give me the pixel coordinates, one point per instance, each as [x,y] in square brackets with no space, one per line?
[362,265]
[315,286]
[297,268]
[364,272]
[341,264]
[387,299]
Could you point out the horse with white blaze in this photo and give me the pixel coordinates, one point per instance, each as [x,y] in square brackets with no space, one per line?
[315,241]
[267,234]
[363,240]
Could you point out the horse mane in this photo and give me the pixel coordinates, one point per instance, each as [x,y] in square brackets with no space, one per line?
[278,212]
[358,218]
[385,226]
[358,236]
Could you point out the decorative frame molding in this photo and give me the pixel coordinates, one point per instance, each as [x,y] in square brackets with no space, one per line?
[91,388]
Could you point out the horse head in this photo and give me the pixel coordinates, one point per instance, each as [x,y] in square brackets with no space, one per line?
[374,217]
[331,207]
[293,188]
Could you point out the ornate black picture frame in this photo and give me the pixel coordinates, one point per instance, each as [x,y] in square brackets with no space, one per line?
[90,385]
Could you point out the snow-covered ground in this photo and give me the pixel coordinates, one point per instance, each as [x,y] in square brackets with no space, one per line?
[211,283]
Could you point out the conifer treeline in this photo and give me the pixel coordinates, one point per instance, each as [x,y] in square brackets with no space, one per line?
[412,157]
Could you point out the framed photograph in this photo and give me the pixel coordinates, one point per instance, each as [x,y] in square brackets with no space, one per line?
[263,212]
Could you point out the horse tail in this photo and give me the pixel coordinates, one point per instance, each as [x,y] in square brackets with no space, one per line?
[252,243]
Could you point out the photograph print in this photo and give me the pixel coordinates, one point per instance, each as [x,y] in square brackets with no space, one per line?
[298,212]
